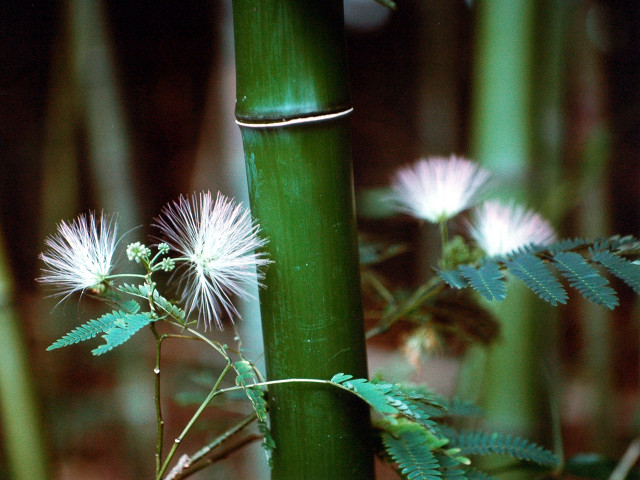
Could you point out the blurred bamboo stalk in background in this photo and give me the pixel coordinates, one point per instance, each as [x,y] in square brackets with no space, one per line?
[291,66]
[23,441]
[102,111]
[501,141]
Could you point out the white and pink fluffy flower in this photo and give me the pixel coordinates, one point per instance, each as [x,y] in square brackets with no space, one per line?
[218,241]
[80,254]
[438,188]
[502,229]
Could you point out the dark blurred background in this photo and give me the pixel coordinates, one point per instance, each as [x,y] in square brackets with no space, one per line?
[122,106]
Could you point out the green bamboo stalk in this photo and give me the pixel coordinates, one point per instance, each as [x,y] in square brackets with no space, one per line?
[501,89]
[501,140]
[22,439]
[291,64]
[102,109]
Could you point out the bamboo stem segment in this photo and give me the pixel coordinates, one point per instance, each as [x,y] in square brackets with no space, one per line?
[291,65]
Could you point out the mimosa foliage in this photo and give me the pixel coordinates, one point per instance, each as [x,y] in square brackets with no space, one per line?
[409,447]
[245,378]
[482,443]
[166,307]
[120,325]
[579,262]
[419,447]
[117,327]
[423,449]
[123,331]
[389,400]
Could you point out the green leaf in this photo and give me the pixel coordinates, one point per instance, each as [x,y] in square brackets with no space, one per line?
[487,280]
[617,243]
[167,307]
[473,474]
[621,268]
[586,279]
[450,468]
[375,394]
[123,329]
[88,330]
[456,407]
[130,306]
[453,278]
[412,406]
[567,244]
[482,443]
[141,291]
[535,274]
[409,448]
[245,378]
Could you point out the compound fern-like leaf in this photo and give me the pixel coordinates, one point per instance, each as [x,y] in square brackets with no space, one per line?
[88,330]
[122,330]
[486,280]
[141,291]
[621,268]
[456,407]
[144,291]
[586,279]
[409,448]
[130,306]
[411,406]
[535,274]
[473,474]
[245,378]
[375,394]
[483,443]
[453,278]
[567,244]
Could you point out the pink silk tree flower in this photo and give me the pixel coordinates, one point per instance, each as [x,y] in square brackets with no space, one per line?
[80,254]
[438,188]
[502,229]
[217,241]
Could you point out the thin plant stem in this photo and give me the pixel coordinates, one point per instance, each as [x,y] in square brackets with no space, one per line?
[444,235]
[426,291]
[195,417]
[157,398]
[280,382]
[216,458]
[219,348]
[379,287]
[204,451]
[125,275]
[627,461]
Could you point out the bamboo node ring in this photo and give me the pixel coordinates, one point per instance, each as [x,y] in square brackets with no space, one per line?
[296,121]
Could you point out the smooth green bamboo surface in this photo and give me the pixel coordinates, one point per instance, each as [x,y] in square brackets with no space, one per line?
[290,58]
[300,188]
[501,119]
[22,430]
[501,133]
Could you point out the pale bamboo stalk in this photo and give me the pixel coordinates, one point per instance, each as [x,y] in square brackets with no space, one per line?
[24,444]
